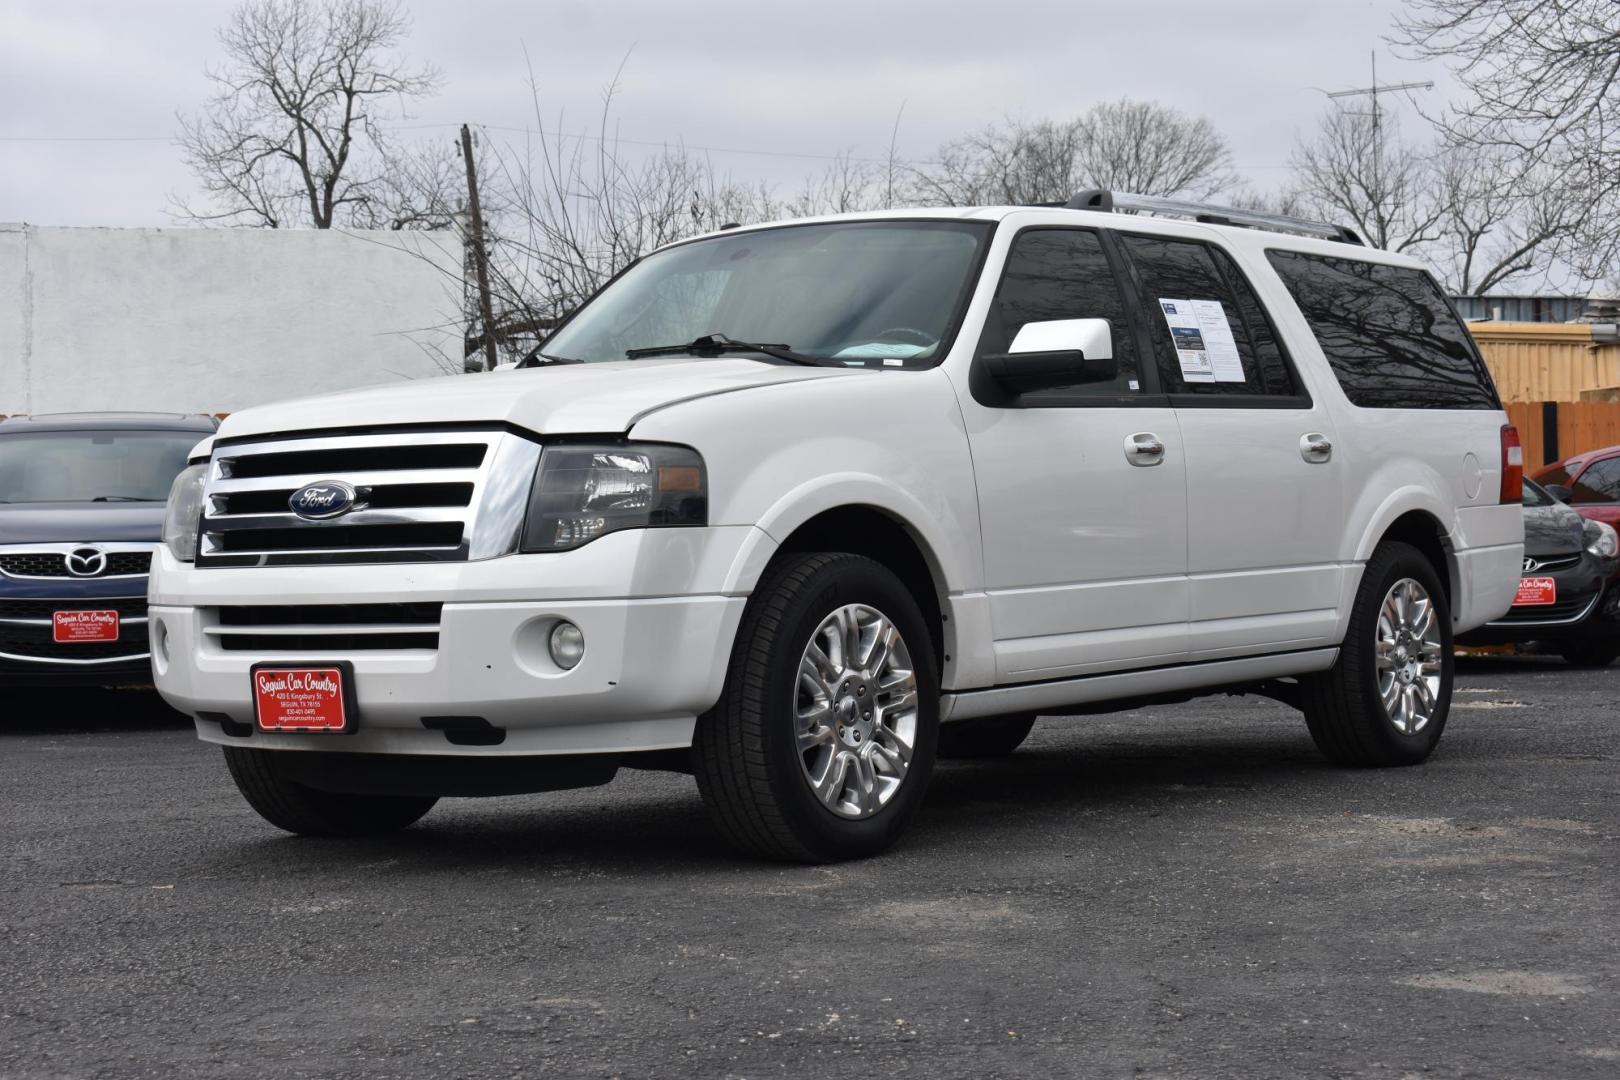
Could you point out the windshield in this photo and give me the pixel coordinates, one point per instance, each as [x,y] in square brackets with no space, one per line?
[879,293]
[1534,495]
[83,466]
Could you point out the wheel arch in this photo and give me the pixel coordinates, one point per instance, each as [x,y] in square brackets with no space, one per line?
[886,538]
[1411,516]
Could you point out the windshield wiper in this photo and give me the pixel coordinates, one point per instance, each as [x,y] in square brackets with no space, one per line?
[715,344]
[536,358]
[122,498]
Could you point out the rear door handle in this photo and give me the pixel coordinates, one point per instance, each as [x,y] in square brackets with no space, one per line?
[1144,449]
[1315,448]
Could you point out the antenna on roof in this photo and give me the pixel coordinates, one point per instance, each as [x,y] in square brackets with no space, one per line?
[1122,202]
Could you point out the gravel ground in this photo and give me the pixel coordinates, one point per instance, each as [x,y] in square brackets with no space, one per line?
[1184,892]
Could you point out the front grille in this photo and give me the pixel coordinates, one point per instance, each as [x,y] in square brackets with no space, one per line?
[420,496]
[1550,564]
[25,629]
[128,607]
[53,564]
[324,628]
[1564,609]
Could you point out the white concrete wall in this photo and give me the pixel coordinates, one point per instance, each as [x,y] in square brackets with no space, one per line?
[215,320]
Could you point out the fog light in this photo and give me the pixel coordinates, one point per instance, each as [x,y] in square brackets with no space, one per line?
[567,645]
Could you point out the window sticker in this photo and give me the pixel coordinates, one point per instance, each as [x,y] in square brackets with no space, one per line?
[1205,348]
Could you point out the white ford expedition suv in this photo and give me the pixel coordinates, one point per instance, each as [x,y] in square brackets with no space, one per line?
[796,508]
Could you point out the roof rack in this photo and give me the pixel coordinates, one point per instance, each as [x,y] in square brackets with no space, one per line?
[1112,202]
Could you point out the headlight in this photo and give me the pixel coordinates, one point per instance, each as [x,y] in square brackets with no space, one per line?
[1600,539]
[184,510]
[586,490]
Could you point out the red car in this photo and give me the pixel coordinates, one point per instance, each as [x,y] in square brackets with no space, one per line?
[1589,482]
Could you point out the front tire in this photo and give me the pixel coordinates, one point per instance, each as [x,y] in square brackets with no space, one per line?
[308,811]
[1589,654]
[1386,699]
[823,740]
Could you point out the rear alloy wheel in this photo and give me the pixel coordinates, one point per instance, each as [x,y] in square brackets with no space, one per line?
[822,743]
[1386,700]
[1590,654]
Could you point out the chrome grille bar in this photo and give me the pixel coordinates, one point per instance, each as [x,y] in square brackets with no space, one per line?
[472,486]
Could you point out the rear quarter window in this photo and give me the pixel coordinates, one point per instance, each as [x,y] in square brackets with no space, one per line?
[1389,333]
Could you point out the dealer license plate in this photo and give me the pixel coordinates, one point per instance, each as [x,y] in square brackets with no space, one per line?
[313,698]
[1534,591]
[78,627]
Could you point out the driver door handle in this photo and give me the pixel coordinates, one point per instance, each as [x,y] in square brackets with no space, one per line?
[1144,449]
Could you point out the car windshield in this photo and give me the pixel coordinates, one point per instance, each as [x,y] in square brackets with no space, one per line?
[1534,495]
[878,293]
[88,466]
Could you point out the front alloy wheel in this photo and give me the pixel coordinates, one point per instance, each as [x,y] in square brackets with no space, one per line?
[823,740]
[856,711]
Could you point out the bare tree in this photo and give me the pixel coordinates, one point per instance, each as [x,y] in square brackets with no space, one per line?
[1357,166]
[293,134]
[1500,223]
[1136,146]
[1150,149]
[1543,83]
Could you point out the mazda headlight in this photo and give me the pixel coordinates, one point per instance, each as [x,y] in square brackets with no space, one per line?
[586,490]
[1600,539]
[184,511]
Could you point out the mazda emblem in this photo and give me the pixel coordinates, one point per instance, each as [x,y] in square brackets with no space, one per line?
[86,562]
[325,499]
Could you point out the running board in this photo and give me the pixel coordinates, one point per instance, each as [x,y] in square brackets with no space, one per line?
[1061,693]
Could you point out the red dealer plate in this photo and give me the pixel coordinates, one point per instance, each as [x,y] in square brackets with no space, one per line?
[313,698]
[1534,591]
[72,627]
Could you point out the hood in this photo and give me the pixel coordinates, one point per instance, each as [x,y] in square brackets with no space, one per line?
[1552,530]
[569,399]
[80,523]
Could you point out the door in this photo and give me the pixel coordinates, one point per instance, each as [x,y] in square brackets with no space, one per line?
[1082,489]
[1265,483]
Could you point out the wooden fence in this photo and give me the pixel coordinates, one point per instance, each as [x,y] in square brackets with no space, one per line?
[1553,430]
[1536,362]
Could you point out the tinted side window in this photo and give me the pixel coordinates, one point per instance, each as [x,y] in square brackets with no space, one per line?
[1061,274]
[1388,332]
[1210,331]
[1599,483]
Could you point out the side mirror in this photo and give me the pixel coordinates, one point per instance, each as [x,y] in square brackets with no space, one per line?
[1560,492]
[1061,352]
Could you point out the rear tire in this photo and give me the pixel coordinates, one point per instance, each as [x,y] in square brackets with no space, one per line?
[818,751]
[1386,700]
[992,737]
[1589,654]
[308,811]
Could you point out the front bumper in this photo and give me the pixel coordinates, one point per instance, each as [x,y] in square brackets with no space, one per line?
[655,608]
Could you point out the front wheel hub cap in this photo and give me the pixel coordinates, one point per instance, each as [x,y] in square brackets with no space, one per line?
[855,711]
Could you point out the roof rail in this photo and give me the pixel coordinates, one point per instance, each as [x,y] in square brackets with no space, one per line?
[1110,202]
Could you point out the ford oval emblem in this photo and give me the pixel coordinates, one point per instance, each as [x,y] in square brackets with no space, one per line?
[325,499]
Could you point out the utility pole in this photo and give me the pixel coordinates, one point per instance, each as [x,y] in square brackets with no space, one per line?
[480,256]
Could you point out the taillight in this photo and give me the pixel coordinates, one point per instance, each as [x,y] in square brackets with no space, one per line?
[1512,466]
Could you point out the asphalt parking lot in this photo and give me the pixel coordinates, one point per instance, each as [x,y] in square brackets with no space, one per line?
[1181,892]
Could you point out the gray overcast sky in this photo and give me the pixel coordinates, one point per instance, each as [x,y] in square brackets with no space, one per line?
[818,77]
